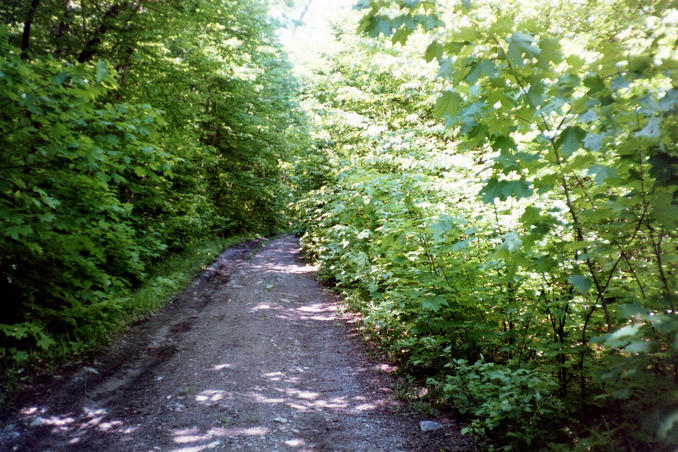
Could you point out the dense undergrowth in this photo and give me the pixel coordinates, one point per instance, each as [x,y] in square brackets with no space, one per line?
[130,131]
[500,203]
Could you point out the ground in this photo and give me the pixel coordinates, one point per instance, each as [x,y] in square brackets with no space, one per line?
[254,355]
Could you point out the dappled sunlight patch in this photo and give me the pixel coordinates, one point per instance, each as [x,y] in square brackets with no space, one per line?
[191,449]
[31,410]
[109,426]
[191,435]
[304,400]
[305,395]
[69,423]
[296,442]
[94,411]
[262,307]
[335,403]
[318,307]
[366,407]
[293,268]
[211,396]
[274,376]
[213,437]
[197,448]
[298,407]
[59,423]
[188,438]
[320,311]
[261,398]
[74,441]
[247,431]
[293,380]
[95,419]
[209,439]
[285,268]
[386,368]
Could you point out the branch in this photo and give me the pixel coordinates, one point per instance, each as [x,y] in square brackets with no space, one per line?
[580,236]
[301,17]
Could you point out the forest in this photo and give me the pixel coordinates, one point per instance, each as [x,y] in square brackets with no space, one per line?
[131,131]
[492,184]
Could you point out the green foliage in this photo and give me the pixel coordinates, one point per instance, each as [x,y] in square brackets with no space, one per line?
[69,240]
[512,204]
[522,403]
[129,131]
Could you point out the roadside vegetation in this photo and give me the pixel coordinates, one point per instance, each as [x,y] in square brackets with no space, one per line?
[501,205]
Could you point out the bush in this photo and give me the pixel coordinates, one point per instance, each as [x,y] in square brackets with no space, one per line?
[515,407]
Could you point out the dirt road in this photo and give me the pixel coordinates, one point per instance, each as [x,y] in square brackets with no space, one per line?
[252,356]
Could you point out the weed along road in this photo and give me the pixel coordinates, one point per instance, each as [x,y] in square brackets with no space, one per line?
[252,356]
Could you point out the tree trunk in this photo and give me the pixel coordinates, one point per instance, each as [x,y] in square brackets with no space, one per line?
[26,36]
[92,44]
